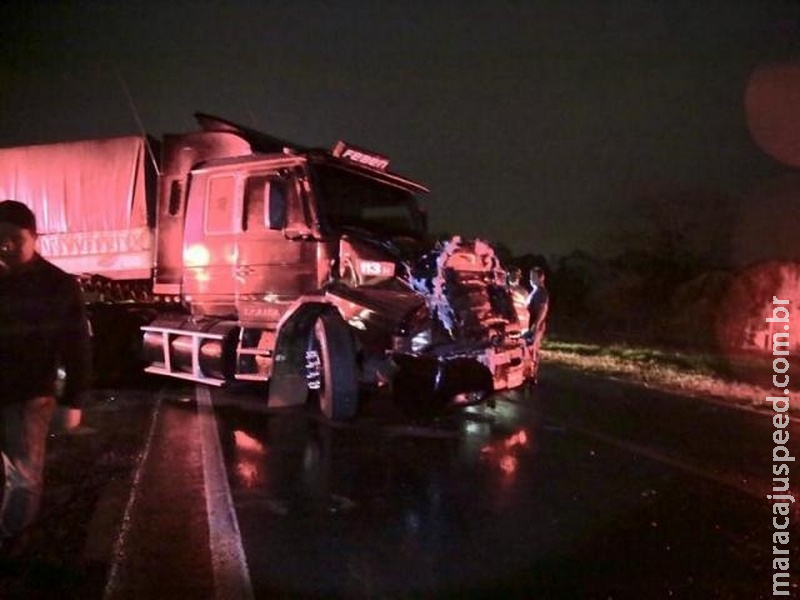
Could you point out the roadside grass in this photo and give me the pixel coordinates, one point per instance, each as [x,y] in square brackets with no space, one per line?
[727,379]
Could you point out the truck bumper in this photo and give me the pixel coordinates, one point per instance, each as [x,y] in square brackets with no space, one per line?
[510,366]
[464,378]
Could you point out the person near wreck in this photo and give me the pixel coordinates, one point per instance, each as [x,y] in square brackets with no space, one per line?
[43,327]
[519,296]
[538,305]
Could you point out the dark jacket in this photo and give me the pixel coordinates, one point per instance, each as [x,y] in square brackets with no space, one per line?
[42,325]
[538,304]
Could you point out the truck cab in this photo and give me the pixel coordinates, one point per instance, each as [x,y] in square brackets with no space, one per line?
[248,226]
[237,226]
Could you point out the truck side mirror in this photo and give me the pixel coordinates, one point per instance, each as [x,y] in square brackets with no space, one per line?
[276,207]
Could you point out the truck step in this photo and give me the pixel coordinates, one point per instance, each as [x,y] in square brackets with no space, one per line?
[250,377]
[255,351]
[188,376]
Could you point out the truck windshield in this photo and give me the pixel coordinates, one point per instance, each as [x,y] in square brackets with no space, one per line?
[349,200]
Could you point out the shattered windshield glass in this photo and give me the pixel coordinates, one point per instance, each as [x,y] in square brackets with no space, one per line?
[349,200]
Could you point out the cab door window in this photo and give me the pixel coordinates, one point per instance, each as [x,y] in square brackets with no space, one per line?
[265,203]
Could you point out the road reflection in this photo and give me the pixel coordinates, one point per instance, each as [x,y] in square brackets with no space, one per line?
[401,499]
[249,454]
[298,453]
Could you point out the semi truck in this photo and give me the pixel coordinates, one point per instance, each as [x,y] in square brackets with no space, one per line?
[240,256]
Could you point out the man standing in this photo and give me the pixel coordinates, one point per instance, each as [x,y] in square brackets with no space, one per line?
[519,296]
[538,305]
[43,325]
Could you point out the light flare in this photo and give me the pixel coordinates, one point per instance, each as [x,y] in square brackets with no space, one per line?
[197,255]
[249,451]
[504,453]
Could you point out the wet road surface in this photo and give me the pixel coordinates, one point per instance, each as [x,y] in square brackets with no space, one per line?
[586,488]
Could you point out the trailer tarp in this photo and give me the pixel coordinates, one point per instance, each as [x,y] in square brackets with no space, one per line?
[93,185]
[90,201]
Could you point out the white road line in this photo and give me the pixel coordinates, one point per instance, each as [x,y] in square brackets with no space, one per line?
[754,489]
[118,552]
[231,575]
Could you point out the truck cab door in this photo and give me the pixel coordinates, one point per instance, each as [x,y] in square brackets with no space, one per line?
[277,255]
[209,248]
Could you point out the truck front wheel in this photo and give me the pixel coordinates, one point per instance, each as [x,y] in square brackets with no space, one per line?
[331,367]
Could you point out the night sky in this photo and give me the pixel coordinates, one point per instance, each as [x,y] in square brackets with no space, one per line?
[548,126]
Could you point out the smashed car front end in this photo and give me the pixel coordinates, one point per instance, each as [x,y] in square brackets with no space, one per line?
[441,325]
[475,336]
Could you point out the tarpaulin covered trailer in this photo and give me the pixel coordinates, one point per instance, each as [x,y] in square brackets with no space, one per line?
[91,202]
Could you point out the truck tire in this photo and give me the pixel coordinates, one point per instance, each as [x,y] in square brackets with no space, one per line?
[331,367]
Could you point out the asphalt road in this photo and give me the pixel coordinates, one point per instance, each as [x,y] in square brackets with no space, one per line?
[585,488]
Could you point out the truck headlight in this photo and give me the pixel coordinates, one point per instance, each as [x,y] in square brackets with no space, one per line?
[421,340]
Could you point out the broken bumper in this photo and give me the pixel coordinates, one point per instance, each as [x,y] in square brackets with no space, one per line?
[464,377]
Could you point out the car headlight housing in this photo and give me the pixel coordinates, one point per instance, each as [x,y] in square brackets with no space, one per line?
[421,340]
